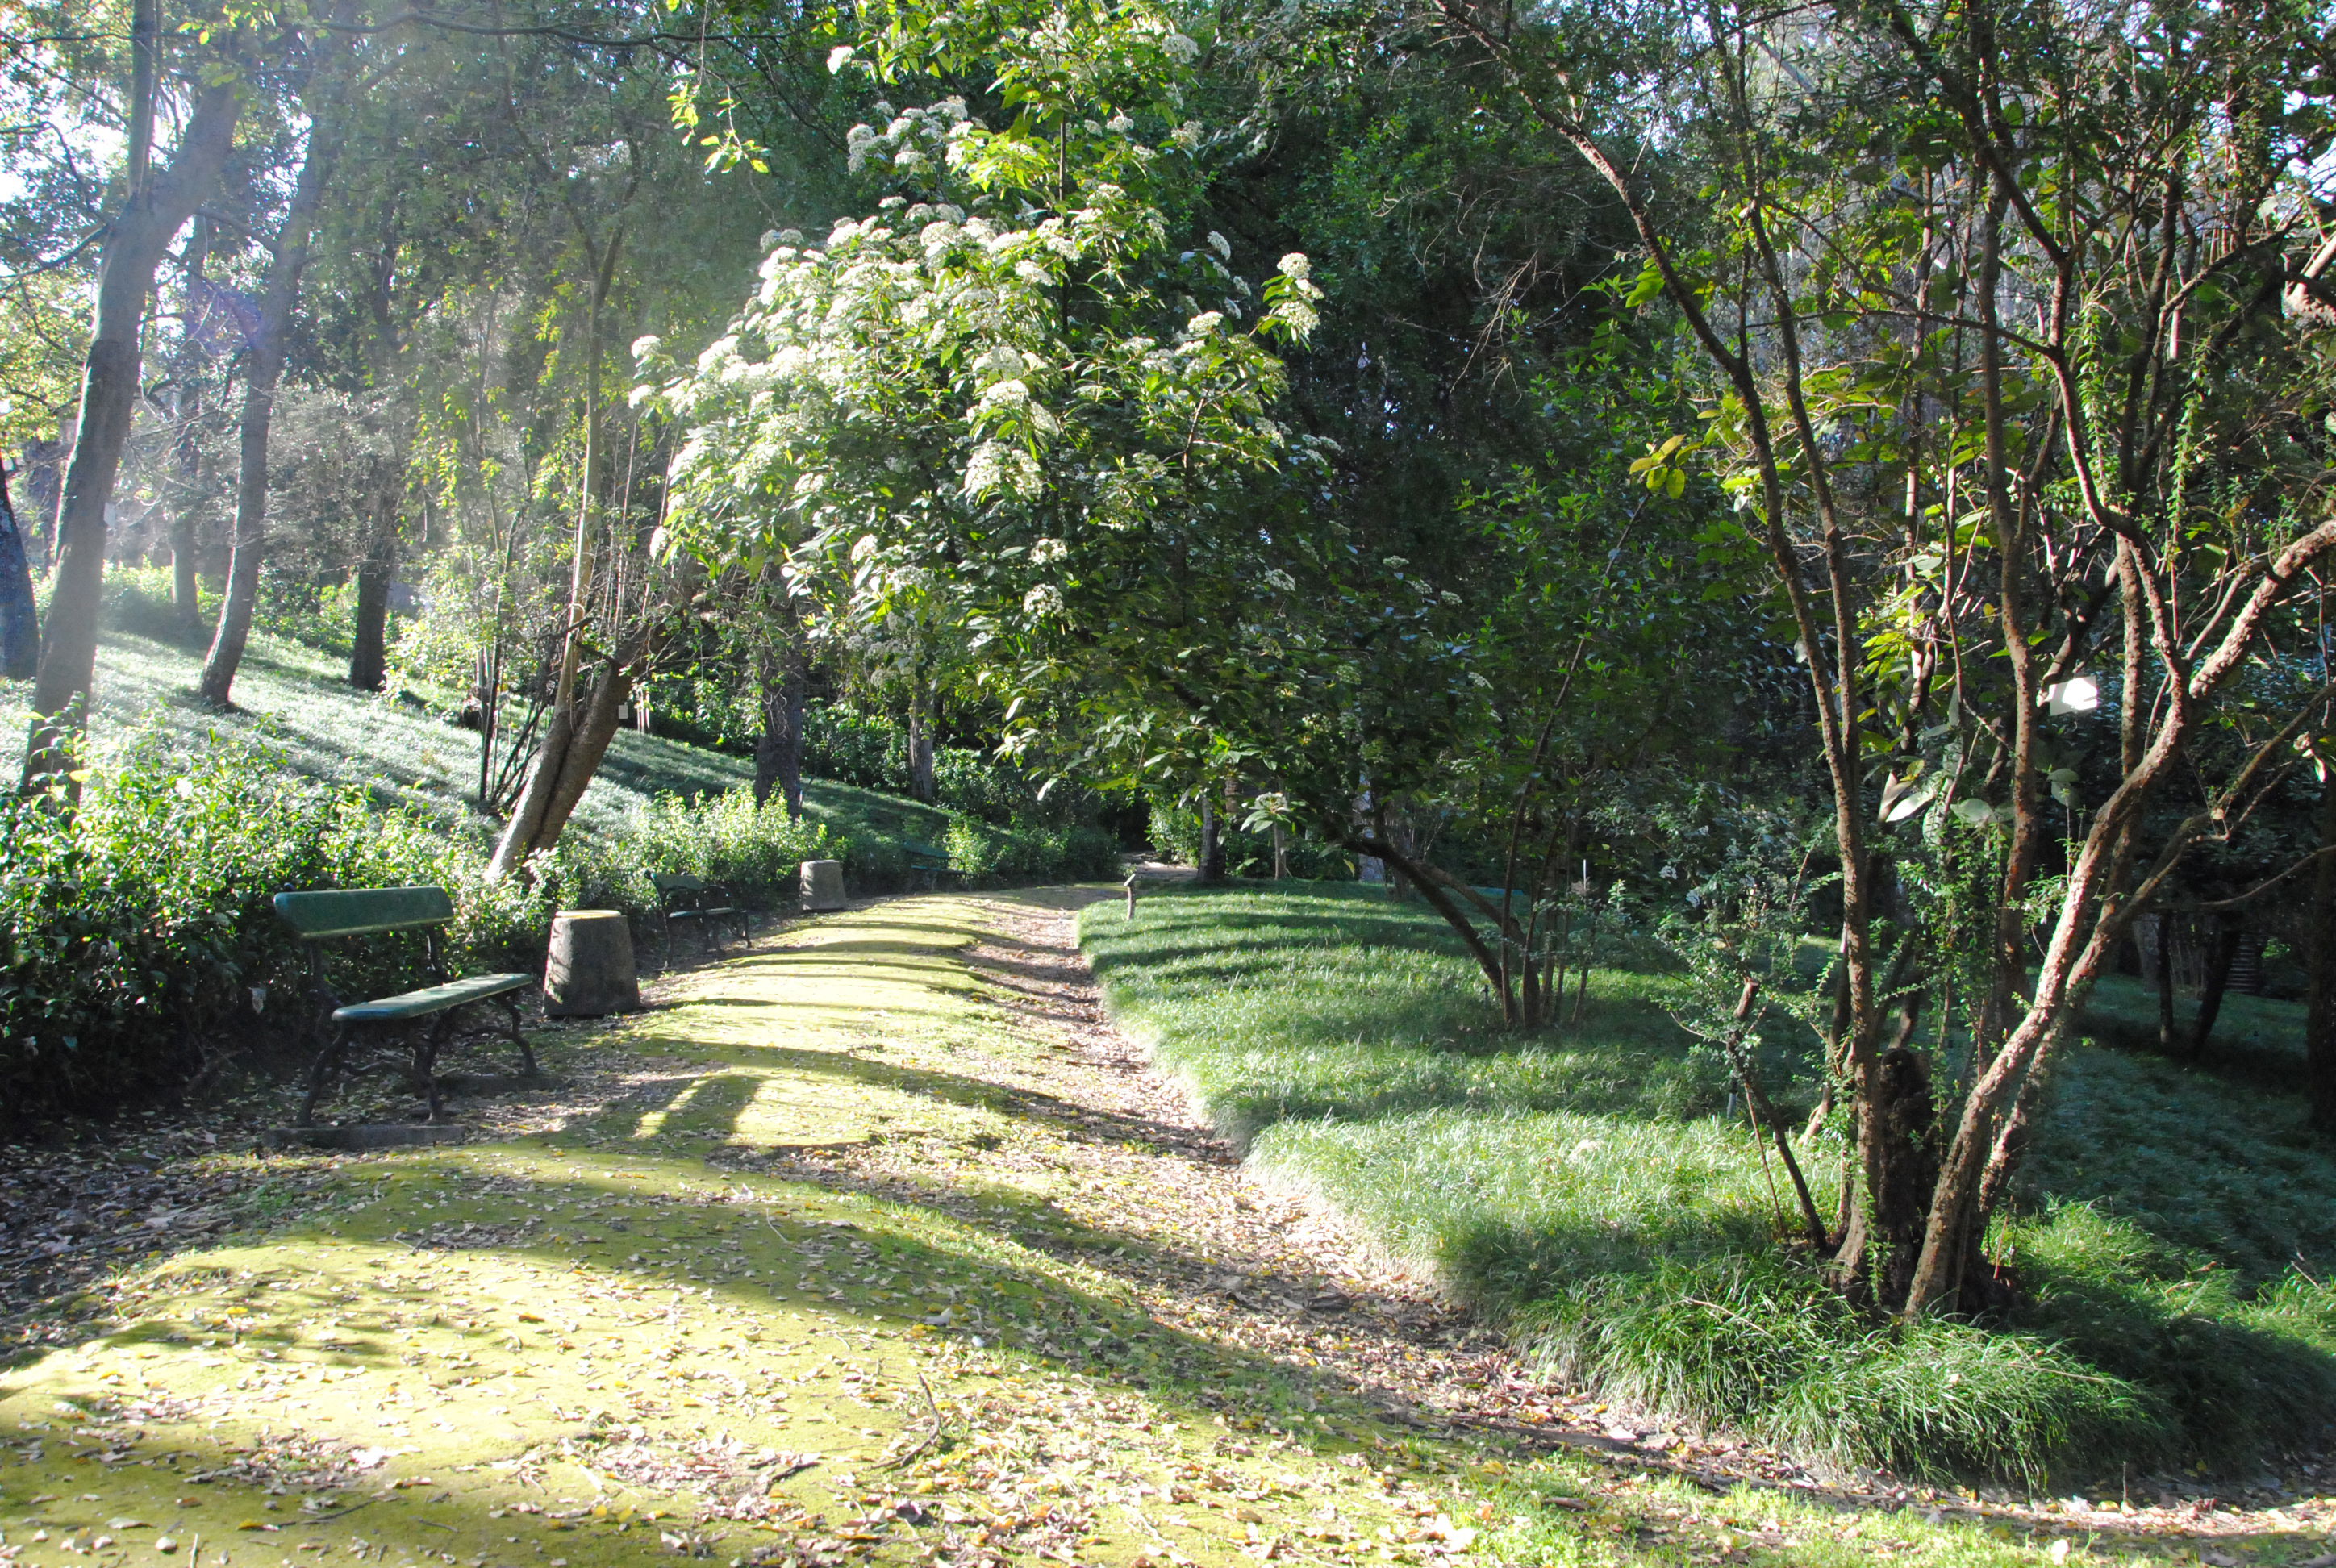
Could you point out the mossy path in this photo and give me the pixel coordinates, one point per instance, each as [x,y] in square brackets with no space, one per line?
[870,1245]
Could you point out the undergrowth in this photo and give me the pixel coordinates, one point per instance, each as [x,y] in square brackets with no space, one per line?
[1596,1190]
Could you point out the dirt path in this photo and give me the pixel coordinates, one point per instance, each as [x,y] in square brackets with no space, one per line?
[872,1243]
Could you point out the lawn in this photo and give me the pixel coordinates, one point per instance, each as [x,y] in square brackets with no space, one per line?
[1591,1191]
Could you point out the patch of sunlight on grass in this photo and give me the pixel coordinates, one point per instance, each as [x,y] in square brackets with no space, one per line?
[405,748]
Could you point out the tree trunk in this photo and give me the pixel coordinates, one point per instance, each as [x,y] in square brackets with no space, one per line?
[2319,1018]
[187,507]
[369,640]
[2222,952]
[20,622]
[155,210]
[2168,1034]
[778,754]
[1878,1255]
[572,749]
[569,757]
[1212,841]
[217,685]
[921,744]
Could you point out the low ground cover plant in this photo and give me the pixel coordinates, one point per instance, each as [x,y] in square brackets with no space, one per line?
[1596,1190]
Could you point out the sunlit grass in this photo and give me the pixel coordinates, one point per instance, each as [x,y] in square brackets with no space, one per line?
[404,748]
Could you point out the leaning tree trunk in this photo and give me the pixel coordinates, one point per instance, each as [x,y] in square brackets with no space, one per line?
[2320,1018]
[369,639]
[20,624]
[569,757]
[580,727]
[157,208]
[778,754]
[217,685]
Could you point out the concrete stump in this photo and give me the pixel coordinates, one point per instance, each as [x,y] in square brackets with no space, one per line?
[823,884]
[589,971]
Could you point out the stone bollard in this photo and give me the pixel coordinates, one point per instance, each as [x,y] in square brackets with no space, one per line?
[589,972]
[823,884]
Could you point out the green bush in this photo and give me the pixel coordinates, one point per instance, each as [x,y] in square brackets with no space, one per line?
[140,925]
[983,853]
[752,851]
[140,922]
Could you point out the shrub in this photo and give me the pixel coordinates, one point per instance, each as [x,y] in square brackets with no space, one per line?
[754,850]
[142,922]
[993,855]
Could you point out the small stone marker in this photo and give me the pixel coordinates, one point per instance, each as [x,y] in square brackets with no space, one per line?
[589,971]
[823,884]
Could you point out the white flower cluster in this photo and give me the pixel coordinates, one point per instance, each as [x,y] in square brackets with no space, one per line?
[1042,601]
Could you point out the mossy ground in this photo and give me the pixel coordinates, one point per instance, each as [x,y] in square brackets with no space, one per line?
[618,1341]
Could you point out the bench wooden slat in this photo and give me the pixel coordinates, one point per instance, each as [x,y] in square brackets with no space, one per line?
[361,912]
[432,999]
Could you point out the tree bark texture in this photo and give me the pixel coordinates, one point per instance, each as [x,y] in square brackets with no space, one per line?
[1212,841]
[778,754]
[217,685]
[2225,935]
[921,744]
[186,507]
[2320,1017]
[155,210]
[570,755]
[369,639]
[20,622]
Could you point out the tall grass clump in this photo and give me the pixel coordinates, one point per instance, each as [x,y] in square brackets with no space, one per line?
[1595,1190]
[1755,1340]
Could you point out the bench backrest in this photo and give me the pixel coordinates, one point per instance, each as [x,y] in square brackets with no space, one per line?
[671,883]
[923,851]
[361,911]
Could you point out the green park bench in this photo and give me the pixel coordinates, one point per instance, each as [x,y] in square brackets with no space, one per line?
[695,901]
[927,865]
[425,1017]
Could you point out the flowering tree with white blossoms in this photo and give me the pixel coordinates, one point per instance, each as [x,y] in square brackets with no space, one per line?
[1005,401]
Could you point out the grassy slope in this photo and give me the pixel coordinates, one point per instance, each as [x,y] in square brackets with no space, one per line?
[1589,1181]
[587,1346]
[407,748]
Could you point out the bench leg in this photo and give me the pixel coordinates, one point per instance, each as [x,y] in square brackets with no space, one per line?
[427,1042]
[322,1073]
[509,1005]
